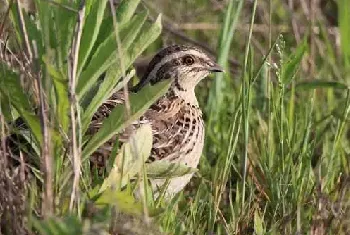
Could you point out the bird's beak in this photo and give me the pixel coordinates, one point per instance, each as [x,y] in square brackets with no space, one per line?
[216,68]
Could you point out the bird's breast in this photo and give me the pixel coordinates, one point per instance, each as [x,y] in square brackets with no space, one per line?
[178,136]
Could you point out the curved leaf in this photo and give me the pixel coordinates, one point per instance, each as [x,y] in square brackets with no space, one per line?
[122,199]
[126,9]
[165,170]
[90,31]
[128,163]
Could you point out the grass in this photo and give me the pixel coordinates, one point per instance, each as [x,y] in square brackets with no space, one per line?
[276,157]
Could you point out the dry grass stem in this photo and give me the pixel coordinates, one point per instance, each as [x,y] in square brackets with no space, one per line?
[74,107]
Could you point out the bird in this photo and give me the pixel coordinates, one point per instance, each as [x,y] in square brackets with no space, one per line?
[175,118]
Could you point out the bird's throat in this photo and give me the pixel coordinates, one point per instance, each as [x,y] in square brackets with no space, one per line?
[188,95]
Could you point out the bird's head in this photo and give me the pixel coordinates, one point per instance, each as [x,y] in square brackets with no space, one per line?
[185,65]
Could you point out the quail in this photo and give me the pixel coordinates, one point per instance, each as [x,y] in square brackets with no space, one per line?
[175,118]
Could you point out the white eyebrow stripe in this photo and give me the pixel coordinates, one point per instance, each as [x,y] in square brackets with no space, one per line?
[176,55]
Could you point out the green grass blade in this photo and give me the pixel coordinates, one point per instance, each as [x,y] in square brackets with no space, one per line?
[344,19]
[231,19]
[126,10]
[315,84]
[291,66]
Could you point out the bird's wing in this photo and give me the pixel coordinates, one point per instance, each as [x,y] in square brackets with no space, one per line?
[104,111]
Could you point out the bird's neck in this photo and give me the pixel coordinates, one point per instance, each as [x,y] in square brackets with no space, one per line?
[187,95]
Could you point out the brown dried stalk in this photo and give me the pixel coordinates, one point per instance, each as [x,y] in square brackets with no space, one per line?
[75,147]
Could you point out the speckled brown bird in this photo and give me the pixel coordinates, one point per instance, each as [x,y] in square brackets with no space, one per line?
[176,118]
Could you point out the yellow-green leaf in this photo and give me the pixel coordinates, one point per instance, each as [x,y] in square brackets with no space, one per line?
[124,201]
[165,169]
[130,158]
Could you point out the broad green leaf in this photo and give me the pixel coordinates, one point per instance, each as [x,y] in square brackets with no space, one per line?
[130,158]
[129,38]
[116,122]
[60,83]
[34,33]
[320,84]
[165,170]
[11,88]
[126,10]
[147,35]
[122,199]
[46,22]
[107,54]
[110,84]
[90,32]
[89,4]
[65,21]
[291,66]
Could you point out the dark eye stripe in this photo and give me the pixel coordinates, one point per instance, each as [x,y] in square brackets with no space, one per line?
[165,52]
[161,73]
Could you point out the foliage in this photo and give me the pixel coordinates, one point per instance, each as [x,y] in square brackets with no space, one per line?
[276,157]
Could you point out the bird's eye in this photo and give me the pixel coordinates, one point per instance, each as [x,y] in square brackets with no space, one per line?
[188,60]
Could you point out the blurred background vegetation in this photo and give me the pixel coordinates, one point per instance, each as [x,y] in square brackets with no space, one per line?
[276,157]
